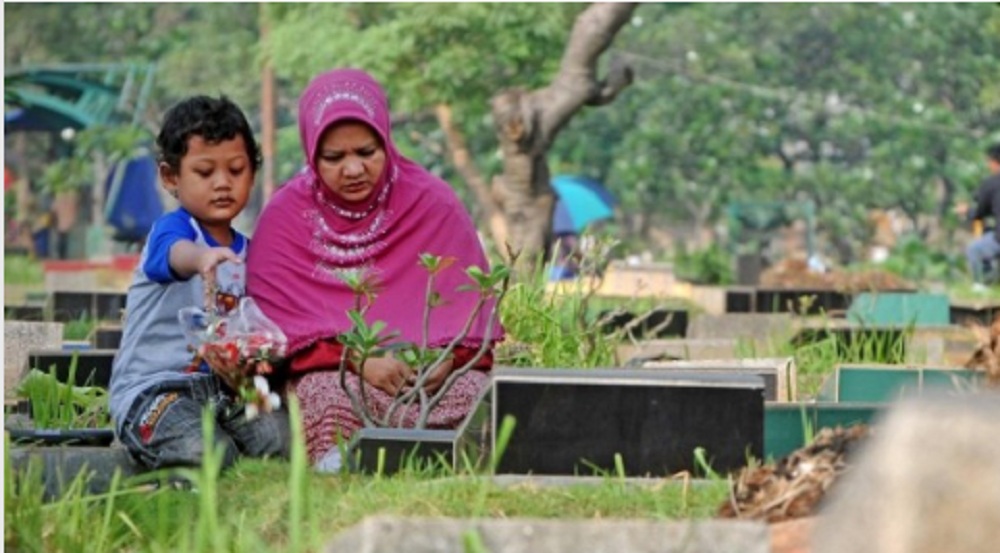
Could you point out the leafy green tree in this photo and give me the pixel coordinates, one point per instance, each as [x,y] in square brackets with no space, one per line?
[466,63]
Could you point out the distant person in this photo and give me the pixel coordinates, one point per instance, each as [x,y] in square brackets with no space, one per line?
[566,265]
[207,160]
[982,252]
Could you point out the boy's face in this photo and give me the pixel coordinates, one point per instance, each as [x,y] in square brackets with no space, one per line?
[213,183]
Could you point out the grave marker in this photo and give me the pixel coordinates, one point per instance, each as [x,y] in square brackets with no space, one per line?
[390,534]
[93,367]
[19,339]
[899,309]
[779,373]
[91,304]
[878,383]
[575,421]
[469,443]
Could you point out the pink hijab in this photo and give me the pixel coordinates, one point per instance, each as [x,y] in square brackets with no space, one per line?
[306,234]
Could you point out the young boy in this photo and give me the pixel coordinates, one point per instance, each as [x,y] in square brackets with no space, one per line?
[207,160]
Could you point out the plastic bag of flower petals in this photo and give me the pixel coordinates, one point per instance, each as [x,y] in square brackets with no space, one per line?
[240,348]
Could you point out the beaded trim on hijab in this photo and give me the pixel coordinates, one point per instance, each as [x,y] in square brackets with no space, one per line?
[347,213]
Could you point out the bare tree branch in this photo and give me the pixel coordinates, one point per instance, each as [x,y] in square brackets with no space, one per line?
[577,83]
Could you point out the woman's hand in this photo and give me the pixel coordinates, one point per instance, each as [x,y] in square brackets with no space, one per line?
[388,374]
[437,378]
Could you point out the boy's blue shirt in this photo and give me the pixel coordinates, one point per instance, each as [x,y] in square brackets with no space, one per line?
[170,228]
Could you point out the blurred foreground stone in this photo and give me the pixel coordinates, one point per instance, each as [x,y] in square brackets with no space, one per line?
[19,338]
[927,482]
[446,535]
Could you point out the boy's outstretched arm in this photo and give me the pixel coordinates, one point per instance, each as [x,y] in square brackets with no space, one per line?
[188,258]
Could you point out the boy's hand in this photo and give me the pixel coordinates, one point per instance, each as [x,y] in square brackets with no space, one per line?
[211,258]
[188,259]
[207,261]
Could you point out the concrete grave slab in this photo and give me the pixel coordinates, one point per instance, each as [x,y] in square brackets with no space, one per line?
[928,481]
[384,534]
[71,281]
[19,338]
[763,327]
[649,279]
[61,464]
[709,299]
[779,373]
[949,345]
[677,349]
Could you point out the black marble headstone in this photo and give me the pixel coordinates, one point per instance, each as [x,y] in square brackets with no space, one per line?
[107,337]
[24,313]
[401,447]
[573,421]
[967,314]
[740,300]
[788,300]
[468,446]
[93,367]
[656,323]
[72,306]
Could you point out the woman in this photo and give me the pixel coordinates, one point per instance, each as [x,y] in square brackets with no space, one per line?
[359,204]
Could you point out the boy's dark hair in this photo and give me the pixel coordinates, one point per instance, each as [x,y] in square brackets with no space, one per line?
[993,152]
[213,119]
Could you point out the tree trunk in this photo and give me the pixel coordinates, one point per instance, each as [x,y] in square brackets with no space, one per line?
[527,122]
[462,159]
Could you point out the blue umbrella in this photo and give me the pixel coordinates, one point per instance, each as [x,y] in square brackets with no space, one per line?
[581,201]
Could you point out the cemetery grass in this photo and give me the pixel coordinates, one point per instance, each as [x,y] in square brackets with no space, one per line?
[269,505]
[817,359]
[21,270]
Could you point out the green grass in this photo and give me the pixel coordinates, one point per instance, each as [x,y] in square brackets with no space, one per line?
[79,329]
[58,405]
[816,358]
[965,291]
[267,505]
[22,270]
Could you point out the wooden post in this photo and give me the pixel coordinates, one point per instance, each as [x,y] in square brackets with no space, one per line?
[266,114]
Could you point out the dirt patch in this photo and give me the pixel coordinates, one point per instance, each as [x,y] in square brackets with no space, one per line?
[795,273]
[986,357]
[793,486]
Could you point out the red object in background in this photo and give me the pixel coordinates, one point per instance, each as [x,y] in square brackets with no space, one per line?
[8,178]
[57,265]
[125,262]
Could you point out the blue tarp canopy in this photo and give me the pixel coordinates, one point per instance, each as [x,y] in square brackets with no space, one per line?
[133,201]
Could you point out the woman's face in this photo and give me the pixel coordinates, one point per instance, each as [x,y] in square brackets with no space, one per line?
[350,160]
